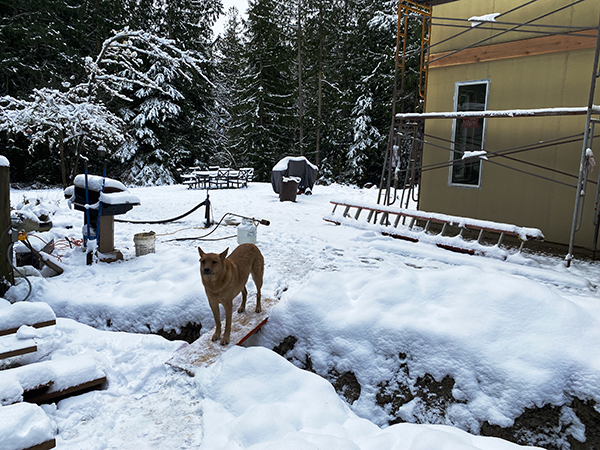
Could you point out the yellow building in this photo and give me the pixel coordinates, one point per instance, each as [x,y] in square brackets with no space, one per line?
[505,57]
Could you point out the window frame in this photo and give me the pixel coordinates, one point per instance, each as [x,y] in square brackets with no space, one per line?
[457,87]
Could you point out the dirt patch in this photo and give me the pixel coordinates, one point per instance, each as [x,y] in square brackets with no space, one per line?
[188,333]
[574,426]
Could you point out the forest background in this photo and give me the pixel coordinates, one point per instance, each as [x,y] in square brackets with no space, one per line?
[148,81]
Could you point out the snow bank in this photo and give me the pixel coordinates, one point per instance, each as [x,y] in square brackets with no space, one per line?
[4,161]
[508,343]
[274,405]
[24,425]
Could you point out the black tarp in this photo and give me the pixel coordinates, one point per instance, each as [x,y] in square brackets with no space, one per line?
[298,167]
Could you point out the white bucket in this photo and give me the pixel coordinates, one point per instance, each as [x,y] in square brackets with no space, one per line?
[246,232]
[144,243]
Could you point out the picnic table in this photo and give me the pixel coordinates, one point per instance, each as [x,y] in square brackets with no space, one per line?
[217,178]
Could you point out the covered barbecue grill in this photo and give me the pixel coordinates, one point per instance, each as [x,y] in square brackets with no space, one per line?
[298,167]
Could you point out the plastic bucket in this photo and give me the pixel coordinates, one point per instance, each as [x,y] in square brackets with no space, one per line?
[246,232]
[144,243]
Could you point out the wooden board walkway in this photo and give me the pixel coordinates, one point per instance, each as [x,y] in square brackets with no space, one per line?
[203,352]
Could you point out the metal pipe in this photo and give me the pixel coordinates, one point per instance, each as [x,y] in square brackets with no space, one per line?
[586,139]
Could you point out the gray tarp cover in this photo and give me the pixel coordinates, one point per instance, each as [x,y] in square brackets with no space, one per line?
[294,167]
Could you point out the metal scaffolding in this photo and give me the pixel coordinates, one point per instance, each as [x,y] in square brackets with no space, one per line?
[402,167]
[403,154]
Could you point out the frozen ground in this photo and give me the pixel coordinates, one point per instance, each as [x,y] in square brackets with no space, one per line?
[512,334]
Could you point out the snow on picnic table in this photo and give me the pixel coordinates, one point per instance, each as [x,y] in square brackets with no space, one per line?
[513,333]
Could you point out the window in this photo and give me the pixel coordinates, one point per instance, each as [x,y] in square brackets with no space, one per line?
[468,134]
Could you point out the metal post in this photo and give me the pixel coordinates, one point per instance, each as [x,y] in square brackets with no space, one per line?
[586,138]
[389,149]
[87,235]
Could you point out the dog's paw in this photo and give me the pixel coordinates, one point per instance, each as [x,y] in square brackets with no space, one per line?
[215,337]
[224,340]
[258,309]
[241,309]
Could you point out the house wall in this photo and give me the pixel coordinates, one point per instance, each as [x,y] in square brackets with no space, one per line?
[581,15]
[559,79]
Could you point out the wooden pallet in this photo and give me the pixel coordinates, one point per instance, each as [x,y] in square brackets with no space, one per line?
[415,226]
[203,352]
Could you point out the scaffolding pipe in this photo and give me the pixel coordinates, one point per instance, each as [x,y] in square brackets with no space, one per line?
[580,193]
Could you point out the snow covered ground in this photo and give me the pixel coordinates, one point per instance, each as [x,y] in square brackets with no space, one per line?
[512,334]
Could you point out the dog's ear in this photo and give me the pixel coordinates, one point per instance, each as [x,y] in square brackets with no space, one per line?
[201,252]
[224,254]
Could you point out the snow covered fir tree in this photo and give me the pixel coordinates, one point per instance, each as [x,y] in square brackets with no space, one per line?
[284,78]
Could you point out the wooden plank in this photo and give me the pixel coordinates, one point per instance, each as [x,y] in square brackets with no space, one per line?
[18,352]
[252,332]
[10,346]
[204,352]
[47,395]
[46,323]
[43,446]
[516,49]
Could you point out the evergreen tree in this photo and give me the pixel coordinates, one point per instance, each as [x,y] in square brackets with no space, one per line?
[269,116]
[231,66]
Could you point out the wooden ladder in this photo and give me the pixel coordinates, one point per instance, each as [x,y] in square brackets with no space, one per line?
[393,222]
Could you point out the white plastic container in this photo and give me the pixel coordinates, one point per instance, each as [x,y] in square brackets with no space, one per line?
[246,232]
[144,243]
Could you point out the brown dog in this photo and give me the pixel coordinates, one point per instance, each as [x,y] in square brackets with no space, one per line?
[224,278]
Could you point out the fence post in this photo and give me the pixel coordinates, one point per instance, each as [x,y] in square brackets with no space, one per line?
[6,272]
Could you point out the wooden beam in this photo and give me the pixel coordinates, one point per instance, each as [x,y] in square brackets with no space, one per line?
[43,446]
[252,332]
[47,323]
[515,49]
[44,396]
[18,351]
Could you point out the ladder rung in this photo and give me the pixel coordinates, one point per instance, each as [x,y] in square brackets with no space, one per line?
[480,237]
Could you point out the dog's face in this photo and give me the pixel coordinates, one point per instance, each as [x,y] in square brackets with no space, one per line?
[211,263]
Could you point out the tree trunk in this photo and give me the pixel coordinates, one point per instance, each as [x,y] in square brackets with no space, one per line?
[300,87]
[320,89]
[6,272]
[63,165]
